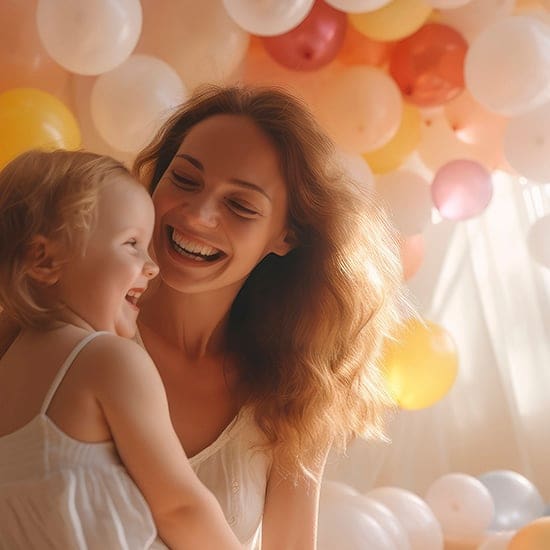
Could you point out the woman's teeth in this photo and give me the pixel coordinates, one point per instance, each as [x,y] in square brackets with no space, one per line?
[190,249]
[133,296]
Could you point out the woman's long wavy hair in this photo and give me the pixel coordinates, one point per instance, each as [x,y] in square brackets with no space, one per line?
[309,325]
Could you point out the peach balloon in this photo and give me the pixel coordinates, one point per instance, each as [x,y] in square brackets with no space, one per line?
[534,536]
[428,66]
[32,118]
[391,155]
[461,189]
[197,39]
[315,42]
[23,60]
[394,21]
[412,255]
[359,49]
[361,108]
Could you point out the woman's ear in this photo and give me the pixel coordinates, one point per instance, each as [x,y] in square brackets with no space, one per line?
[44,259]
[285,243]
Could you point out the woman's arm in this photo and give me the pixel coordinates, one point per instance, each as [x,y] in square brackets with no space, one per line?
[291,509]
[131,394]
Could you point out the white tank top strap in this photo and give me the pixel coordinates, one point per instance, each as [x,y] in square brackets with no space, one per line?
[65,367]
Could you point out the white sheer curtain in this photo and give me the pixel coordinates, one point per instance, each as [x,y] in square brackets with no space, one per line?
[480,283]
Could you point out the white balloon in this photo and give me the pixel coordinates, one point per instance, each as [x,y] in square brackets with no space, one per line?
[415,515]
[507,67]
[538,241]
[268,17]
[357,168]
[408,199]
[343,526]
[357,6]
[462,504]
[334,490]
[129,103]
[89,37]
[386,519]
[527,144]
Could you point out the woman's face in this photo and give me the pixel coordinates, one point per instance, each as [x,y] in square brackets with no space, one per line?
[221,206]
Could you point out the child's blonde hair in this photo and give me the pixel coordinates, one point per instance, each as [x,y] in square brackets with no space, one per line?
[53,194]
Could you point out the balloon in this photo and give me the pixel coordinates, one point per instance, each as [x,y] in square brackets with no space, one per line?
[334,490]
[472,123]
[461,189]
[538,241]
[497,541]
[534,536]
[394,21]
[391,155]
[407,197]
[89,37]
[386,519]
[527,144]
[517,501]
[361,108]
[447,4]
[469,20]
[514,51]
[356,168]
[197,39]
[440,143]
[359,49]
[462,504]
[357,6]
[412,255]
[414,515]
[314,43]
[420,366]
[32,118]
[23,60]
[129,103]
[347,527]
[269,17]
[428,66]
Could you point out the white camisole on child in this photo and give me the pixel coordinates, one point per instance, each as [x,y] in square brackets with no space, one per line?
[59,493]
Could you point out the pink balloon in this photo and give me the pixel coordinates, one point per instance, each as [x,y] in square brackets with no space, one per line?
[461,189]
[313,43]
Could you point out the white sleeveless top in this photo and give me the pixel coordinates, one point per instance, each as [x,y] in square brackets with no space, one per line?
[62,494]
[236,471]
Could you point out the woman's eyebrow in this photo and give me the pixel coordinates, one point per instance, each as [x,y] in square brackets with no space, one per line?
[243,183]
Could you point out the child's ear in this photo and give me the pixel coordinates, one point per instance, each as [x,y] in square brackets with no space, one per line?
[44,260]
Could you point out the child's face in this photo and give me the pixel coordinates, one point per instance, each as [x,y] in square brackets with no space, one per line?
[102,286]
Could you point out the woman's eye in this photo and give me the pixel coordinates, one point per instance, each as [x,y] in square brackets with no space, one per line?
[183,180]
[131,242]
[242,209]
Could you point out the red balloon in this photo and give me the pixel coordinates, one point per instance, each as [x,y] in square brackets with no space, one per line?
[313,43]
[428,66]
[359,49]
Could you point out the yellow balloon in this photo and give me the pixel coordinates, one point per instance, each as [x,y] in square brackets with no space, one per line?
[391,155]
[32,118]
[421,365]
[534,536]
[394,21]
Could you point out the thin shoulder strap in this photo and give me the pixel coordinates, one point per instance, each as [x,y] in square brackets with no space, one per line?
[65,367]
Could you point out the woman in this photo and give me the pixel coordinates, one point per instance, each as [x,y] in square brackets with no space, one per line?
[279,280]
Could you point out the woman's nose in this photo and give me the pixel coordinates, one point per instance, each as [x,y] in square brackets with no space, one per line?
[150,269]
[203,211]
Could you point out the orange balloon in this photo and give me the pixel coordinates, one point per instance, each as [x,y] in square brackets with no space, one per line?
[428,66]
[412,255]
[420,366]
[534,536]
[23,60]
[32,118]
[359,49]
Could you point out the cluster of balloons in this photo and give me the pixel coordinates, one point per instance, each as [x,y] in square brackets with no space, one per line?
[498,510]
[463,85]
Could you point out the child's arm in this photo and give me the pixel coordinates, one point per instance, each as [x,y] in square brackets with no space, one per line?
[291,510]
[129,389]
